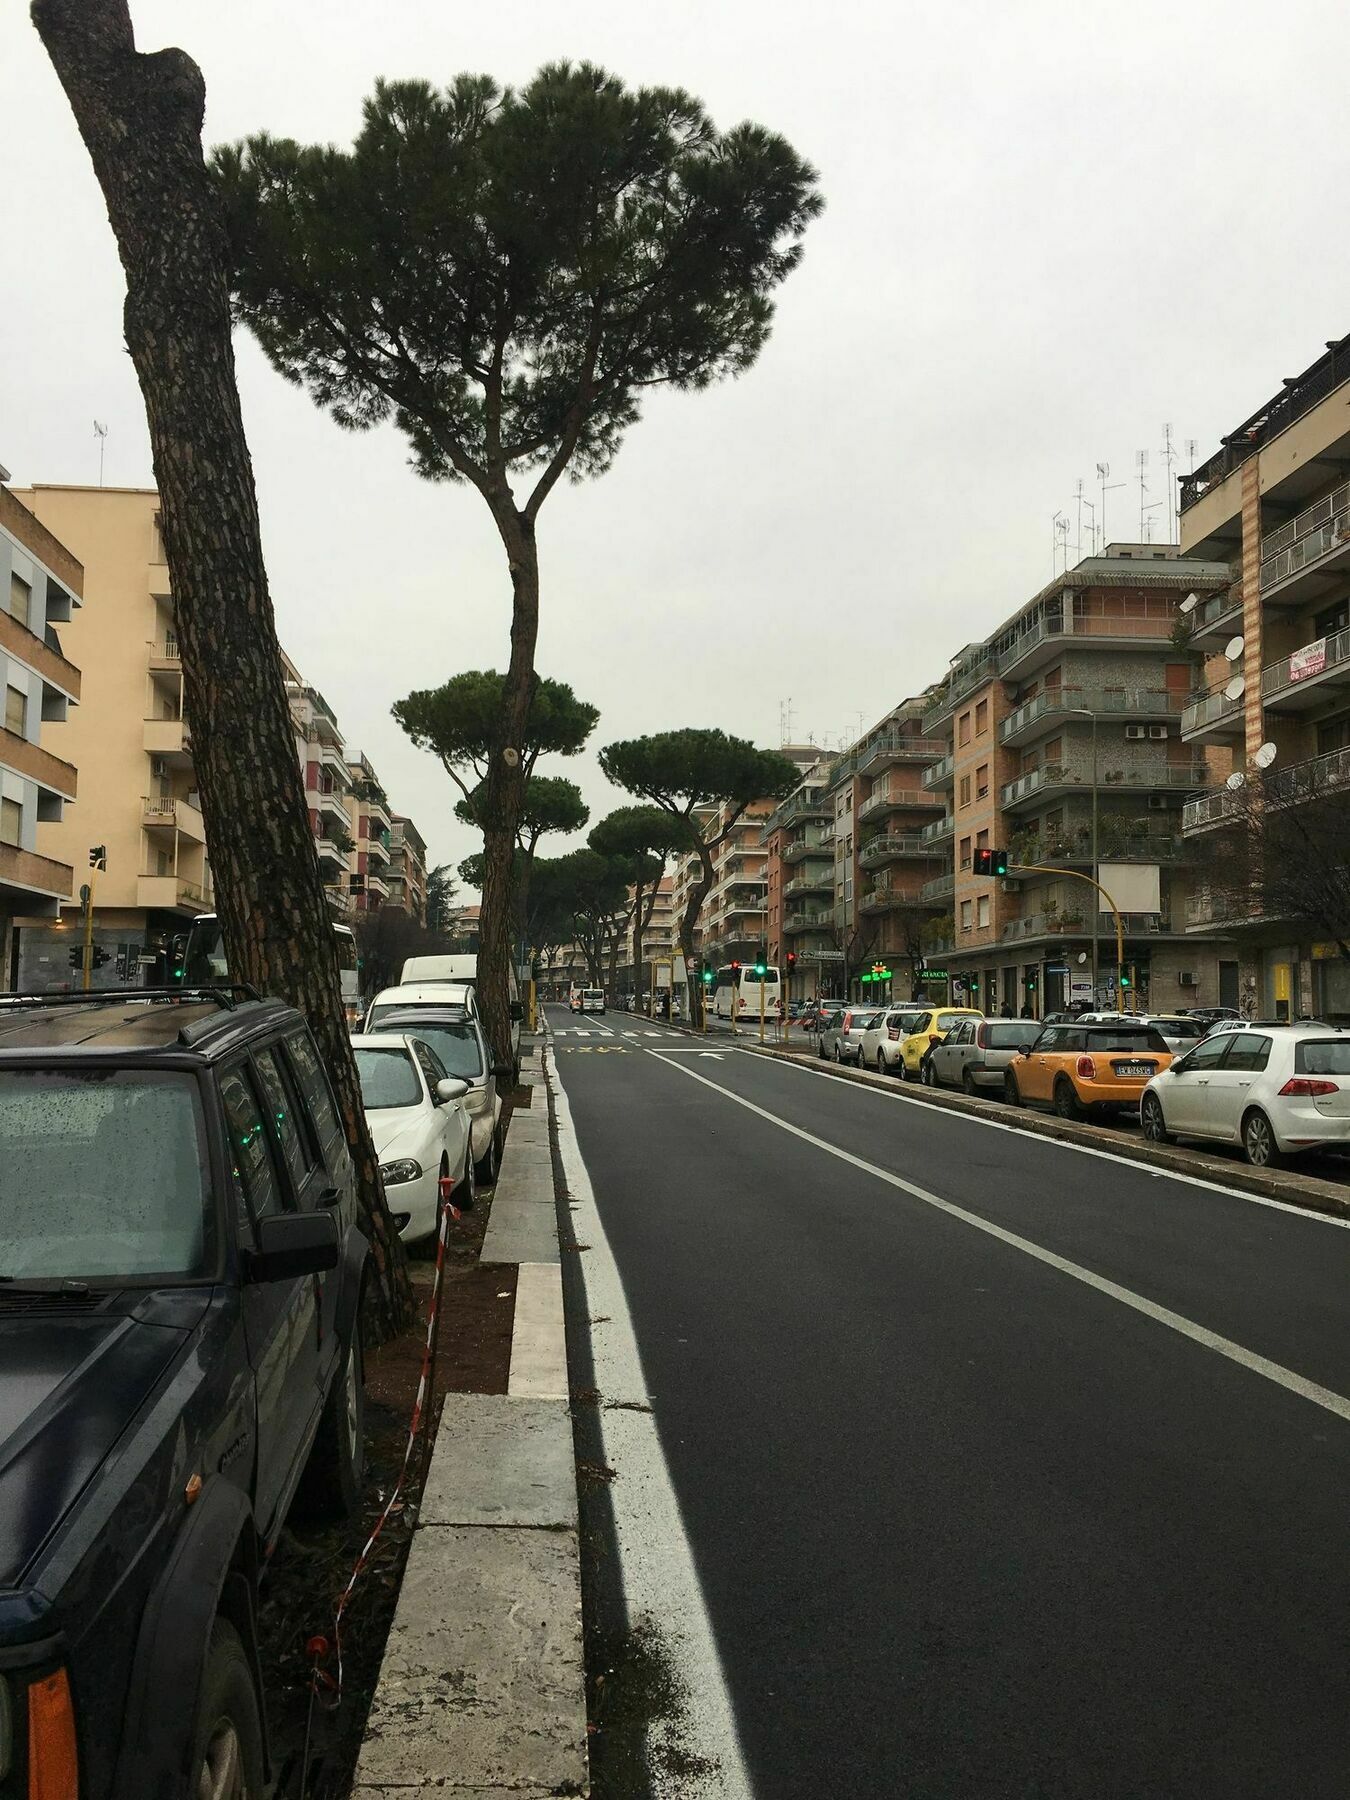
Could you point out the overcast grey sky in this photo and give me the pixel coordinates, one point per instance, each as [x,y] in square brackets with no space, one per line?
[1050,228]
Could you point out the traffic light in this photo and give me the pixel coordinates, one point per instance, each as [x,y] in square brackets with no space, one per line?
[709,975]
[77,956]
[791,960]
[761,964]
[101,956]
[98,856]
[1124,979]
[991,862]
[735,970]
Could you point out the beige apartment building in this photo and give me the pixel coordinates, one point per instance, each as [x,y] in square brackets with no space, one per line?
[1073,710]
[1272,505]
[138,793]
[41,584]
[405,874]
[371,827]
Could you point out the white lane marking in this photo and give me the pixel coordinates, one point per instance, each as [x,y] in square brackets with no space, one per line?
[1248,1359]
[1127,1162]
[660,1580]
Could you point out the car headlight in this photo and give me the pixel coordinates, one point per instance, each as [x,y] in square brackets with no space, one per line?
[404,1169]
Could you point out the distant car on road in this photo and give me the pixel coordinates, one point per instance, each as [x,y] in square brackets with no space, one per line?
[1087,1068]
[592,1000]
[974,1054]
[1274,1089]
[843,1034]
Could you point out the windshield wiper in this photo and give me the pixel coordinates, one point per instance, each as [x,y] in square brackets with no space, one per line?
[64,1286]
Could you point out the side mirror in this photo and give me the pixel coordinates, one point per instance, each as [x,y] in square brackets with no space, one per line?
[1024,1049]
[517,1012]
[452,1088]
[293,1244]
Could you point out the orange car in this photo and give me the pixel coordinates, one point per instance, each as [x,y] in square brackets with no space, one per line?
[1081,1070]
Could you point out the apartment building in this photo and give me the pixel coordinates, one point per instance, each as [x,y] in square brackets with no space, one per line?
[41,585]
[734,916]
[798,840]
[1073,710]
[138,793]
[333,811]
[1272,505]
[660,941]
[371,827]
[406,874]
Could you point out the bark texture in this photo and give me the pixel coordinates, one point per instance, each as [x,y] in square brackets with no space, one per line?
[141,117]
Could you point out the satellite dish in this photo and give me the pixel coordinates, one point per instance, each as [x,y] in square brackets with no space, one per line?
[1236,780]
[1235,688]
[1265,756]
[1233,648]
[1189,604]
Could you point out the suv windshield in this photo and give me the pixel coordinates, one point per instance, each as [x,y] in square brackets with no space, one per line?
[455,1041]
[101,1176]
[388,1078]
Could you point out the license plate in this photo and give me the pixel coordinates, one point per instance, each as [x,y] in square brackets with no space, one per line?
[1135,1068]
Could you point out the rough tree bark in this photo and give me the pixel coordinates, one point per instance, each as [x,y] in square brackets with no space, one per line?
[141,118]
[698,894]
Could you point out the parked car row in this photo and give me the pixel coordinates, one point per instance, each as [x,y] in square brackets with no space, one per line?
[1273,1088]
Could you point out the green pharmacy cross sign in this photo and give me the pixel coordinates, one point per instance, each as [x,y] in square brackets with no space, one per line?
[879,972]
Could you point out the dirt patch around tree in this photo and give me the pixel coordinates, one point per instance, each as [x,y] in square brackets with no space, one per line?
[312,1565]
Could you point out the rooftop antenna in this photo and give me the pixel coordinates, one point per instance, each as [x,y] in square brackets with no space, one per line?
[1061,524]
[1192,445]
[1092,524]
[1169,456]
[1103,470]
[101,433]
[1078,547]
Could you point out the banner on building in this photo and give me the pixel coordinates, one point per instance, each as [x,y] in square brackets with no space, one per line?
[1310,660]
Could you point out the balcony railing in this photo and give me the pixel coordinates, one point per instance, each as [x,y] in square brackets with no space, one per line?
[1211,709]
[879,899]
[801,847]
[939,888]
[1056,775]
[810,884]
[1311,664]
[895,746]
[1113,845]
[1219,612]
[1206,810]
[887,798]
[1317,537]
[940,774]
[808,805]
[1104,703]
[890,846]
[939,830]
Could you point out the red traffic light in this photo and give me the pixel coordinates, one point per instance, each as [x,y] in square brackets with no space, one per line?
[735,968]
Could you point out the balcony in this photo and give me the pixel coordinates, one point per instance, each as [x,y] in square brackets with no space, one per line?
[799,806]
[377,848]
[339,901]
[165,658]
[1054,778]
[171,893]
[44,658]
[823,883]
[1306,553]
[161,814]
[880,899]
[891,847]
[802,847]
[37,764]
[333,853]
[1107,705]
[814,920]
[940,831]
[888,799]
[940,774]
[1206,811]
[1218,618]
[1074,848]
[33,884]
[942,887]
[1312,677]
[169,739]
[1215,717]
[895,747]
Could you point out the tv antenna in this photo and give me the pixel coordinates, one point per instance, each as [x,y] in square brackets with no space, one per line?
[1145,506]
[1059,540]
[101,433]
[785,720]
[1169,456]
[1107,487]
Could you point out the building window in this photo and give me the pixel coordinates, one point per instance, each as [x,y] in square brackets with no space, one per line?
[11,821]
[16,711]
[965,915]
[963,730]
[1054,750]
[982,910]
[965,790]
[981,717]
[20,601]
[982,841]
[982,781]
[965,853]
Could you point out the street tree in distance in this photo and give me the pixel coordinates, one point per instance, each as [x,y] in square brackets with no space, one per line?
[440,897]
[580,898]
[685,772]
[140,116]
[641,839]
[505,274]
[460,723]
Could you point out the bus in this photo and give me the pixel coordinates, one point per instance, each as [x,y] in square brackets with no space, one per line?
[200,958]
[738,990]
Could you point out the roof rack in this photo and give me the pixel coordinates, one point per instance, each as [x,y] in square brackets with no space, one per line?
[222,994]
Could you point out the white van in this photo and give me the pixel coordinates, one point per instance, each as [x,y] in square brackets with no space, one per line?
[422,970]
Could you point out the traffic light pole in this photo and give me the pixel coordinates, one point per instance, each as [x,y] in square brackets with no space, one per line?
[1019,869]
[88,963]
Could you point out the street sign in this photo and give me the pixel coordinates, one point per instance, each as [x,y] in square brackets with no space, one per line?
[1057,968]
[933,975]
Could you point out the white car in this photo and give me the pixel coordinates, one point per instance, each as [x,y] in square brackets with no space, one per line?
[420,993]
[1274,1089]
[419,1126]
[880,1046]
[458,1039]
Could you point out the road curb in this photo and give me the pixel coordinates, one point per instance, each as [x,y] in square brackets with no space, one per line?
[482,1687]
[1293,1188]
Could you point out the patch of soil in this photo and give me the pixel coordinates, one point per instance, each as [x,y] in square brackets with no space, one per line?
[312,1565]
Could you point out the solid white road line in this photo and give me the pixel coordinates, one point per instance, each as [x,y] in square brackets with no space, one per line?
[660,1581]
[1161,1315]
[1128,1162]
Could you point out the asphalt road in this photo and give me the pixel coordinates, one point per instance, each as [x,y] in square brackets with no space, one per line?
[1008,1469]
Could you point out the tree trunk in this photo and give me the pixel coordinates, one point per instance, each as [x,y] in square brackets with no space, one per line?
[639,972]
[141,119]
[506,776]
[693,906]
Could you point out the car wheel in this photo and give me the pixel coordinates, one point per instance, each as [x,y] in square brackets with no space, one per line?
[1012,1094]
[968,1084]
[822,1052]
[465,1192]
[1151,1121]
[927,1073]
[1258,1142]
[227,1751]
[1066,1100]
[330,1487]
[485,1170]
[839,1052]
[881,1062]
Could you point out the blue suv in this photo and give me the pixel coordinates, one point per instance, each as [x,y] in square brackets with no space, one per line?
[180,1360]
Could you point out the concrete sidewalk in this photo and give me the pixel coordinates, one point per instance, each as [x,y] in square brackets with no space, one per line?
[482,1693]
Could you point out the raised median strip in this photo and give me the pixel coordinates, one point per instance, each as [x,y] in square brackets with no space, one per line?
[1292,1186]
[482,1690]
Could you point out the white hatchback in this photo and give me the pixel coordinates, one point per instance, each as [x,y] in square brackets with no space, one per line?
[419,1127]
[1274,1089]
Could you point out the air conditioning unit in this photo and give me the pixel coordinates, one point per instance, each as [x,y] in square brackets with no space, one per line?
[1157,802]
[1186,978]
[1010,887]
[1134,732]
